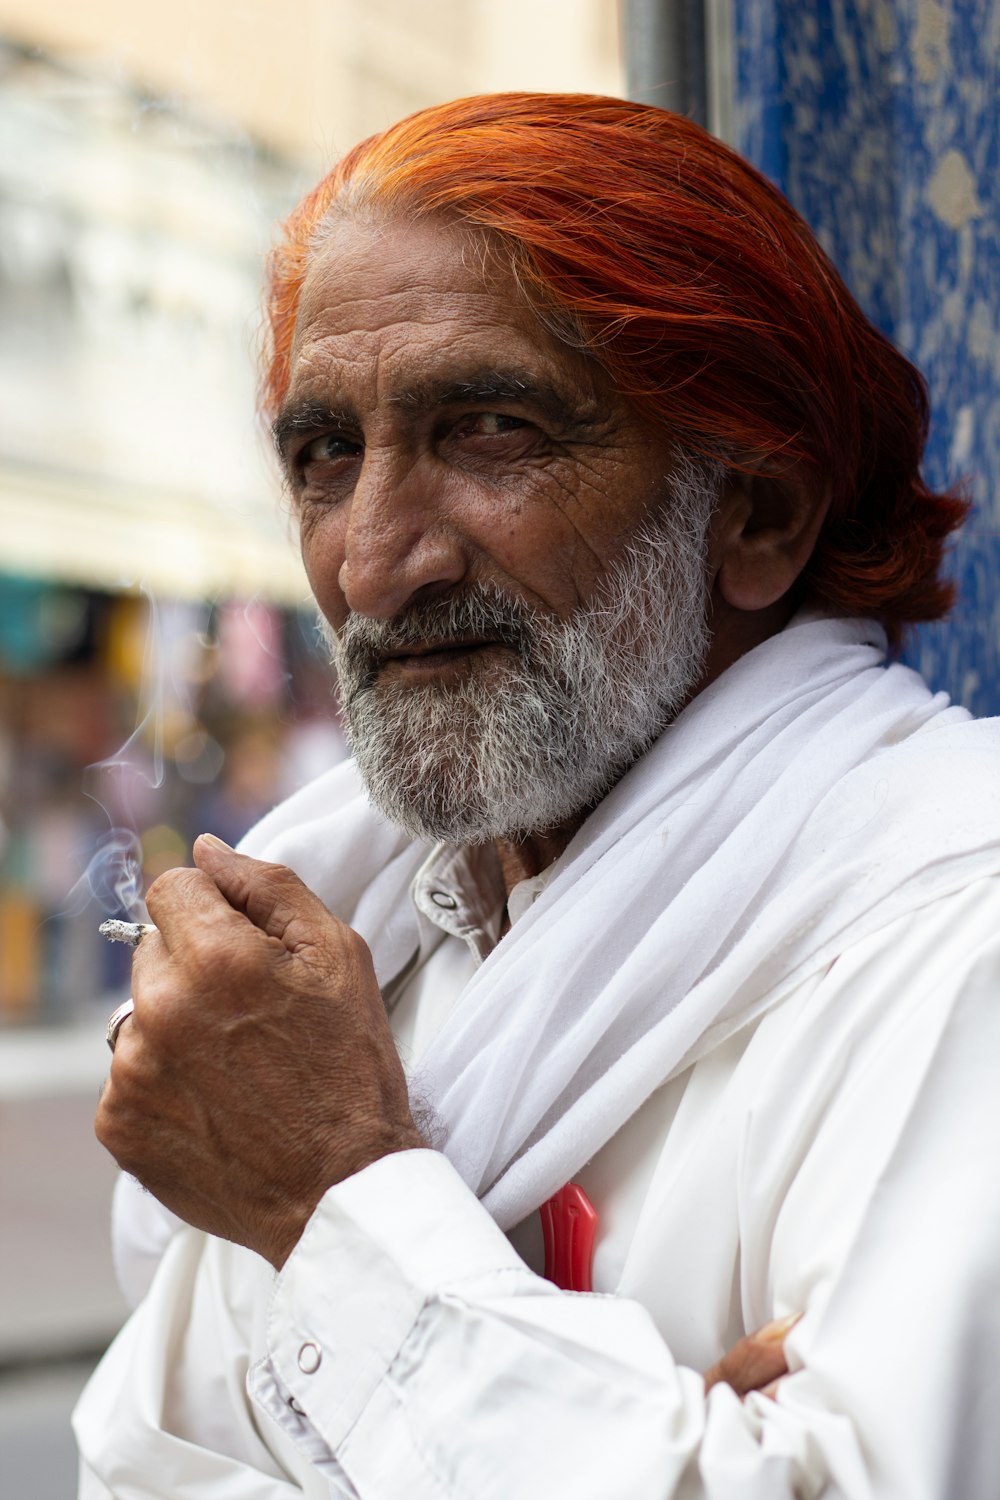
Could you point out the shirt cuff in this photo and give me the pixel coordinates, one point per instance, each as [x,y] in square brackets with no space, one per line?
[378,1247]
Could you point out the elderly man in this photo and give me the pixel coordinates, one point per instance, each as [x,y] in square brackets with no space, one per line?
[650,940]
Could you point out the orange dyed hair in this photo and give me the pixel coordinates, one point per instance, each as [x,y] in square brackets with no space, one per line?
[698,288]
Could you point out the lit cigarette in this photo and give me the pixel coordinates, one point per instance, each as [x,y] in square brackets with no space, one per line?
[125,932]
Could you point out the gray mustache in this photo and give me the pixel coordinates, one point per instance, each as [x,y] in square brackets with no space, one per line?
[364,642]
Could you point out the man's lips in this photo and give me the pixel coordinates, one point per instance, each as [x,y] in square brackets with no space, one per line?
[429,657]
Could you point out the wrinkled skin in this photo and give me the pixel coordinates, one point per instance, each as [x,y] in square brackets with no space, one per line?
[258,1069]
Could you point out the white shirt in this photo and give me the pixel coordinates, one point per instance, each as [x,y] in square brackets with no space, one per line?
[837,1158]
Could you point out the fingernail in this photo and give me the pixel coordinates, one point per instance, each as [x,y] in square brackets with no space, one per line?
[216,843]
[776,1331]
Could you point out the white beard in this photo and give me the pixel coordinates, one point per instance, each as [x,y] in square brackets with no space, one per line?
[522,747]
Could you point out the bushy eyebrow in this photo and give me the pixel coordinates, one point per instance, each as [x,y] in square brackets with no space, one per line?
[485,385]
[567,408]
[306,416]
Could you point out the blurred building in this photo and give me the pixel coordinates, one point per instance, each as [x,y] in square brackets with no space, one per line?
[309,78]
[134,488]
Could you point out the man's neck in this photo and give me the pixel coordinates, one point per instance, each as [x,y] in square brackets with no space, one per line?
[521,859]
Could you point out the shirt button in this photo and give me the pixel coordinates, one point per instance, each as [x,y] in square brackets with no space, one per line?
[444,899]
[309,1359]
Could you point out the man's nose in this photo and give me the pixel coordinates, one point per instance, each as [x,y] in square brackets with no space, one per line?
[399,541]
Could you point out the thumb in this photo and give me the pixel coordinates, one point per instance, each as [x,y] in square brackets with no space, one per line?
[271,896]
[221,861]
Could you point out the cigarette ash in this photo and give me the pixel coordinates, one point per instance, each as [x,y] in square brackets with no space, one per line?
[125,932]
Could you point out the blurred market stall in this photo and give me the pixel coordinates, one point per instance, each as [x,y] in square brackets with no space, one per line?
[131,242]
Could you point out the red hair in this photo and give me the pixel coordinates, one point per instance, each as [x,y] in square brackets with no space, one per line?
[698,288]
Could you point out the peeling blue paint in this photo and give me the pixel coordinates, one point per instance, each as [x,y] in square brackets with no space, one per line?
[880,120]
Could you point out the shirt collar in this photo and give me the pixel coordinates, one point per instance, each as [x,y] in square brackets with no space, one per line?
[460,891]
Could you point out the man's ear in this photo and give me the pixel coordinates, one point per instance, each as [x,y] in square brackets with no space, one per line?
[765,531]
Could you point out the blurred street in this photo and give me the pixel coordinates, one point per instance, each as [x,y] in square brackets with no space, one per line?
[58,1294]
[37,1452]
[59,1304]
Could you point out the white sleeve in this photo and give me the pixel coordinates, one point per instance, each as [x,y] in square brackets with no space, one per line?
[433,1363]
[141,1230]
[427,1362]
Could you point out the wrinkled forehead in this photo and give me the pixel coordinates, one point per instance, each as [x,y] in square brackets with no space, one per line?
[393,302]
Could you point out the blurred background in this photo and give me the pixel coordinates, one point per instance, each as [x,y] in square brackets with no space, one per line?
[159,668]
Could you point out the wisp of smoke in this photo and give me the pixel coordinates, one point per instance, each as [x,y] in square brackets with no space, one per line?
[112,878]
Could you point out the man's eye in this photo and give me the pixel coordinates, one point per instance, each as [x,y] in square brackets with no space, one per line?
[329,446]
[489,424]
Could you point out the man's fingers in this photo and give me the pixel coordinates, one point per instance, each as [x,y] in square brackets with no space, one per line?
[179,901]
[756,1362]
[227,889]
[272,896]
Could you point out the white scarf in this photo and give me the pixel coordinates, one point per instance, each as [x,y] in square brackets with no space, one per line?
[808,797]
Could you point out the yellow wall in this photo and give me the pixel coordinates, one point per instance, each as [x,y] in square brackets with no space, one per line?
[311,77]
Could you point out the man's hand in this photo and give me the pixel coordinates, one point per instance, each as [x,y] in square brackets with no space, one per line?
[756,1362]
[258,1068]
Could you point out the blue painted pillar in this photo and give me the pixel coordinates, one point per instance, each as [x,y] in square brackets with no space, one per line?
[880,120]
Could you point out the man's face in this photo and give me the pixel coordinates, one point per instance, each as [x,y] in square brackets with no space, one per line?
[468,488]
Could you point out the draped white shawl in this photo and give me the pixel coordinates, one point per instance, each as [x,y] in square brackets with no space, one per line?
[809,796]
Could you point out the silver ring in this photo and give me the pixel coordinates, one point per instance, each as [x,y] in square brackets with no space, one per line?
[117,1019]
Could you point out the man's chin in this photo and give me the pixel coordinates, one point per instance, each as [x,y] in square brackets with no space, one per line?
[434,812]
[444,798]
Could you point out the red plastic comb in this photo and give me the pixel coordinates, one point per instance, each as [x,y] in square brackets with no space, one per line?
[569,1224]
